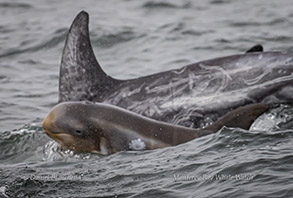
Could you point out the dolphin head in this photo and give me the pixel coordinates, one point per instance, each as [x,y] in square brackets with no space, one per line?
[72,126]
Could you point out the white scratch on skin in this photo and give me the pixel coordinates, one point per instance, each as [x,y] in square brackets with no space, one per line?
[137,145]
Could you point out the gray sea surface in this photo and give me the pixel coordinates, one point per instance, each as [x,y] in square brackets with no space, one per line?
[131,39]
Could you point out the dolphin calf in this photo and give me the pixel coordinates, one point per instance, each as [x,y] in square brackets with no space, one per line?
[106,129]
[192,96]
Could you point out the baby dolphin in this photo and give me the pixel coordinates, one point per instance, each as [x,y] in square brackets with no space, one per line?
[106,129]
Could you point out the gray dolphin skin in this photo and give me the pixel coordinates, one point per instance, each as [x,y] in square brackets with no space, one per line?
[186,96]
[106,129]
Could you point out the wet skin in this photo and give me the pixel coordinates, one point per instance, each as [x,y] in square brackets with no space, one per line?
[106,129]
[184,96]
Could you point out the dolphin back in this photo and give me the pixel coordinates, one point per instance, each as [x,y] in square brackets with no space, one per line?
[241,117]
[183,96]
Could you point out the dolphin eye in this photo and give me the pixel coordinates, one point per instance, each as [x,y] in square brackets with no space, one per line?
[78,132]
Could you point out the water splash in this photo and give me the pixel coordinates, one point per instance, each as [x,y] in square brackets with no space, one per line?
[2,191]
[277,118]
[52,151]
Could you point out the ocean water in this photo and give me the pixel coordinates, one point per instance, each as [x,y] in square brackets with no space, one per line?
[130,39]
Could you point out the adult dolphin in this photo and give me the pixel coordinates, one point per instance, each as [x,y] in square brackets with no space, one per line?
[193,95]
[106,129]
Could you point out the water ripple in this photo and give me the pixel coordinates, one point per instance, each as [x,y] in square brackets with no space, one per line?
[163,5]
[15,5]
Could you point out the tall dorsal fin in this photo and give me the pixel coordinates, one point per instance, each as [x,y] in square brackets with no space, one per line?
[255,48]
[81,76]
